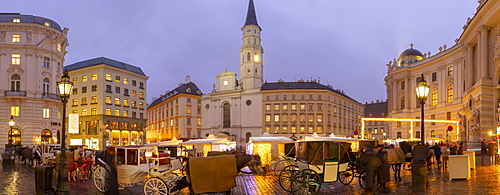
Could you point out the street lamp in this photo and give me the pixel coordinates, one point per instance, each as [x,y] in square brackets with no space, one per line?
[384,134]
[65,86]
[12,122]
[422,90]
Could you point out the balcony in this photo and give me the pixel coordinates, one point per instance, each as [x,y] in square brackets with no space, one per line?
[51,96]
[15,93]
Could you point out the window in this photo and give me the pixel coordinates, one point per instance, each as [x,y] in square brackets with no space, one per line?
[117,89]
[268,107]
[84,89]
[117,102]
[402,85]
[84,79]
[46,112]
[46,62]
[134,93]
[141,106]
[320,106]
[398,124]
[302,118]
[311,106]
[84,112]
[94,77]
[16,20]
[450,70]
[46,86]
[108,100]
[285,118]
[117,112]
[46,23]
[276,118]
[294,107]
[108,111]
[226,115]
[268,98]
[268,118]
[75,102]
[117,79]
[84,101]
[417,134]
[125,102]
[94,88]
[14,110]
[310,97]
[449,93]
[16,59]
[285,107]
[319,97]
[320,118]
[108,77]
[93,100]
[448,115]
[302,106]
[276,97]
[276,107]
[59,47]
[75,91]
[294,129]
[188,109]
[125,81]
[93,111]
[125,113]
[433,116]
[293,97]
[434,97]
[15,82]
[141,85]
[284,97]
[133,104]
[16,38]
[402,102]
[141,95]
[276,129]
[434,76]
[310,118]
[134,83]
[108,88]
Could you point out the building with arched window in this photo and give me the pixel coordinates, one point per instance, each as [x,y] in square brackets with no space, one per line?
[33,50]
[463,80]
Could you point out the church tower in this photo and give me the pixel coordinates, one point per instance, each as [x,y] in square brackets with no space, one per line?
[251,68]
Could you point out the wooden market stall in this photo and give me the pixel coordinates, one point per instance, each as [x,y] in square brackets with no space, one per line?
[268,147]
[201,147]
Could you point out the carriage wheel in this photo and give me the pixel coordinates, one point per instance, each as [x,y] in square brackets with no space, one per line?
[155,186]
[346,177]
[101,177]
[286,176]
[278,166]
[307,181]
[362,180]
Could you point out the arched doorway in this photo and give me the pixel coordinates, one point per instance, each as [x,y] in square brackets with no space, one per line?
[46,136]
[14,137]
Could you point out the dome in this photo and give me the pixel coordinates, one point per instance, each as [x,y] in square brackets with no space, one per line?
[410,56]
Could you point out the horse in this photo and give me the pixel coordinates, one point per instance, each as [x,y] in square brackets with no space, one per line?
[252,161]
[70,167]
[396,157]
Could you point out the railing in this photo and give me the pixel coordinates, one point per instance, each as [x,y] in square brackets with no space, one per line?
[51,96]
[15,93]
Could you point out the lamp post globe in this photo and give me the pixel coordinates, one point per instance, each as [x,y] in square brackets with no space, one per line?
[65,86]
[422,90]
[12,122]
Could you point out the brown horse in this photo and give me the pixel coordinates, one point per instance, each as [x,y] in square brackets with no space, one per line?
[252,161]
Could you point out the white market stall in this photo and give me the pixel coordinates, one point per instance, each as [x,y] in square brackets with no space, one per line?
[203,146]
[354,142]
[268,147]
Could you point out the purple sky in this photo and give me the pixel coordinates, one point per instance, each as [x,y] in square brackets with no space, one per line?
[347,44]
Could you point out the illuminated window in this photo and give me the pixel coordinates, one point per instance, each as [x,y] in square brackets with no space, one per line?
[256,57]
[285,118]
[188,109]
[320,118]
[285,107]
[434,97]
[108,77]
[277,129]
[16,59]
[84,112]
[75,80]
[294,129]
[117,101]
[268,128]
[108,100]
[75,102]
[46,62]
[117,112]
[59,47]
[46,23]
[125,113]
[16,38]
[125,102]
[14,110]
[141,95]
[276,118]
[108,111]
[268,107]
[198,121]
[310,130]
[93,111]
[276,107]
[310,118]
[450,70]
[449,93]
[268,118]
[84,101]
[294,107]
[134,93]
[320,129]
[141,106]
[117,79]
[133,104]
[17,20]
[302,118]
[294,118]
[84,79]
[94,77]
[46,112]
[302,106]
[125,81]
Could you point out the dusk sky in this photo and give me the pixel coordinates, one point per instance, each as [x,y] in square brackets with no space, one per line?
[344,43]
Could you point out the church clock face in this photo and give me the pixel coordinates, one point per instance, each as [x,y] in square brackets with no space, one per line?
[225,82]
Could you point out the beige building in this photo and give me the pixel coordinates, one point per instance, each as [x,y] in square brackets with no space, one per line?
[109,97]
[175,114]
[306,107]
[376,129]
[32,51]
[463,78]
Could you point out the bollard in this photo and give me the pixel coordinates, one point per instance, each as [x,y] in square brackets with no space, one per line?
[419,176]
[43,179]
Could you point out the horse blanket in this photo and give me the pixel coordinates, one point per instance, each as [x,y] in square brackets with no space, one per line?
[212,174]
[395,155]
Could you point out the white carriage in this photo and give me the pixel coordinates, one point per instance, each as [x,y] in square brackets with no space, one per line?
[135,164]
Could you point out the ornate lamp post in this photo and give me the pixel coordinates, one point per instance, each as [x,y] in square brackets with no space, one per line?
[422,90]
[12,122]
[65,86]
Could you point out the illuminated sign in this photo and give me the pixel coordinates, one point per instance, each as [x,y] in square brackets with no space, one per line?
[73,126]
[75,142]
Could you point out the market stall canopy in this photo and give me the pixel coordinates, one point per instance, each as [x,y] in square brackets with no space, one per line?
[278,139]
[206,141]
[172,143]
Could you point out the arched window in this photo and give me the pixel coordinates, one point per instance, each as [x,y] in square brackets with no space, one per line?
[417,134]
[15,82]
[226,112]
[398,135]
[45,87]
[247,137]
[46,137]
[433,133]
[248,57]
[14,137]
[449,93]
[402,102]
[434,96]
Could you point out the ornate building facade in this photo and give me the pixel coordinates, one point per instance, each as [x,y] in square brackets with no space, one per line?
[32,51]
[464,82]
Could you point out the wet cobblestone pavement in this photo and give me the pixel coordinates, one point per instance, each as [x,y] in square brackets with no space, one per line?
[20,179]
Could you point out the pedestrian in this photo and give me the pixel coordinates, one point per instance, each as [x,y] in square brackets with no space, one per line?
[492,151]
[383,175]
[460,148]
[437,153]
[453,149]
[484,151]
[369,161]
[445,153]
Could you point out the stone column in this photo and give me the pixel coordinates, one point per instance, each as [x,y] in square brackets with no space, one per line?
[483,51]
[469,49]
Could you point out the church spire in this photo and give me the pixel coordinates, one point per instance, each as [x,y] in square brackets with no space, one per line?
[251,17]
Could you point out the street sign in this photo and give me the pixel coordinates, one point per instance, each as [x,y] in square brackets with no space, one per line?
[355,132]
[450,128]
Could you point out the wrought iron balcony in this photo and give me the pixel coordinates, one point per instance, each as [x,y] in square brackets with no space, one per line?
[15,93]
[51,96]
